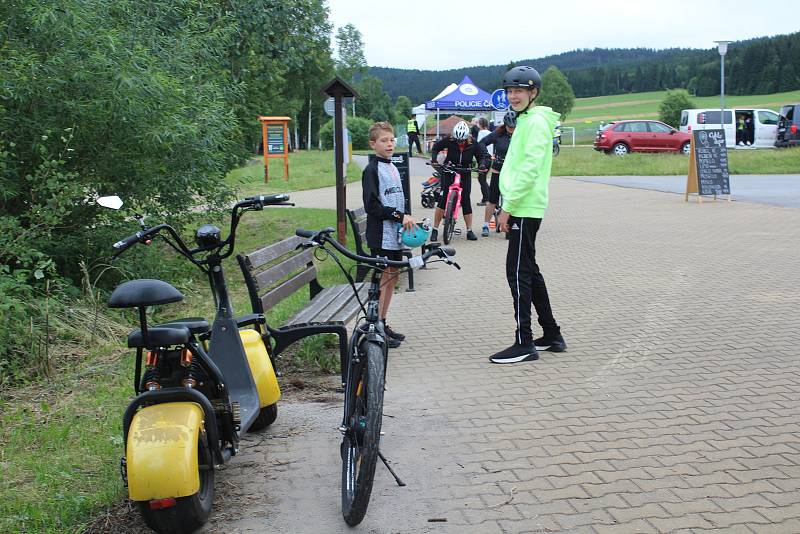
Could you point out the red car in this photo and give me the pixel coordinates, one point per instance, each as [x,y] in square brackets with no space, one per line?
[621,137]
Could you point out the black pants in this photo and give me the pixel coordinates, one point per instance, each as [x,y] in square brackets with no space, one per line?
[526,281]
[413,138]
[484,186]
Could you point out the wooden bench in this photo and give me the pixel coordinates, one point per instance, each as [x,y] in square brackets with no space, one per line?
[358,225]
[277,271]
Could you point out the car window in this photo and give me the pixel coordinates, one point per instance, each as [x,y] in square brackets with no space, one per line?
[767,117]
[657,127]
[684,118]
[622,127]
[712,117]
[790,113]
[637,127]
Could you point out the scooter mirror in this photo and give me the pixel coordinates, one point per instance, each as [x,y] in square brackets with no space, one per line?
[113,202]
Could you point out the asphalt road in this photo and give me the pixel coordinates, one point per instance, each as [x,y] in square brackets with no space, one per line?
[772,189]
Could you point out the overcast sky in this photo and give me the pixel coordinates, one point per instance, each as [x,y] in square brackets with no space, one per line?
[445,34]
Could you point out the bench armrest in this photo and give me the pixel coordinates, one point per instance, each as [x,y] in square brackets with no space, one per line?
[251,319]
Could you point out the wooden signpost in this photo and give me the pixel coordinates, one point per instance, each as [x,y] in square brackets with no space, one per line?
[708,165]
[339,89]
[275,138]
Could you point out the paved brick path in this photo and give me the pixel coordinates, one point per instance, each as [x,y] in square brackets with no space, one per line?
[676,408]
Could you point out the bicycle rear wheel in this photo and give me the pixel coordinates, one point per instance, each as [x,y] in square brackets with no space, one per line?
[362,438]
[449,218]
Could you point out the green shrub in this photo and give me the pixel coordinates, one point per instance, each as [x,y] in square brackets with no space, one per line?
[669,111]
[359,133]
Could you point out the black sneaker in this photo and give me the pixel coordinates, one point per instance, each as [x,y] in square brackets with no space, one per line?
[516,353]
[552,344]
[392,334]
[471,236]
[392,343]
[434,235]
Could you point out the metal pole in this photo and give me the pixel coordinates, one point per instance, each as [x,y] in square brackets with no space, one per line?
[308,145]
[722,93]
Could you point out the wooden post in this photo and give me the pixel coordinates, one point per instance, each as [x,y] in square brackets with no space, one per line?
[338,89]
[691,180]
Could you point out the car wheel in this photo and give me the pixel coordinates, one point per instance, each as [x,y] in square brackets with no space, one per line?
[620,149]
[685,147]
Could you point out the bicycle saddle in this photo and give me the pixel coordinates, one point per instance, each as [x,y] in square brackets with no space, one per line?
[160,336]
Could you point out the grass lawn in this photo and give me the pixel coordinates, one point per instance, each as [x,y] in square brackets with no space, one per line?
[307,170]
[585,161]
[587,113]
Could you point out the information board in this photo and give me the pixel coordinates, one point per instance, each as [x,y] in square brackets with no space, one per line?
[275,140]
[711,159]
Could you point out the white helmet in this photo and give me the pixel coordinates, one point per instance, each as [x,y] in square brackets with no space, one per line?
[461,131]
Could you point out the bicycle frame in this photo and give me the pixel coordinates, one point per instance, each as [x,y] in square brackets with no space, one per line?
[456,186]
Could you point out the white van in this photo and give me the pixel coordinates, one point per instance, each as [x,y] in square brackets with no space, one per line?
[761,135]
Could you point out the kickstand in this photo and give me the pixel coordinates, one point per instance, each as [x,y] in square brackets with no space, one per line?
[386,463]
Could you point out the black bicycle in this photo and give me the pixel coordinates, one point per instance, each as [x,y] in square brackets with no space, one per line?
[364,374]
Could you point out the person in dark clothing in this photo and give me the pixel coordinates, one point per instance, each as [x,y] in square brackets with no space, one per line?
[387,213]
[499,139]
[412,132]
[483,131]
[461,151]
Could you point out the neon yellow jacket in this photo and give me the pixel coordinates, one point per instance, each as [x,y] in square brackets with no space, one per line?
[526,169]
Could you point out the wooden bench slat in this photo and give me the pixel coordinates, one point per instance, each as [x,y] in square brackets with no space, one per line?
[274,296]
[309,313]
[334,308]
[271,252]
[277,272]
[351,308]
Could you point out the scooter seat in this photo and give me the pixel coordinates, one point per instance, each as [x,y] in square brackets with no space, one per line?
[196,325]
[160,336]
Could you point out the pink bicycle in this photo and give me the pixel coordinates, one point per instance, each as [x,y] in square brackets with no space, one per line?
[453,204]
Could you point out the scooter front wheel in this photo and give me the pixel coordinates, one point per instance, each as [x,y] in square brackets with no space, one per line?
[190,513]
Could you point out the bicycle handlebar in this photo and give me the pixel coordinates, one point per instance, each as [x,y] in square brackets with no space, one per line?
[450,167]
[256,203]
[324,236]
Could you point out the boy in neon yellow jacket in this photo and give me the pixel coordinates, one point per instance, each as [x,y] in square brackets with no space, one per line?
[524,182]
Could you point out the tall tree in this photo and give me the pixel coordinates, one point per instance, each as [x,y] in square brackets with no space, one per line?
[556,92]
[350,53]
[402,106]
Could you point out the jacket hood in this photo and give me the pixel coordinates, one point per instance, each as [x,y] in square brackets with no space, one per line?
[545,112]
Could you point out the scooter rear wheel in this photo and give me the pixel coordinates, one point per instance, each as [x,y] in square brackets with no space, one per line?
[189,513]
[266,416]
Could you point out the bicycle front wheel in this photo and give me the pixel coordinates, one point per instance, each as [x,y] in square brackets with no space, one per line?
[449,218]
[361,441]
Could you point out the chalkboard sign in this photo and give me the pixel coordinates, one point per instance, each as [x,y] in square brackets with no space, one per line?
[275,140]
[711,159]
[400,161]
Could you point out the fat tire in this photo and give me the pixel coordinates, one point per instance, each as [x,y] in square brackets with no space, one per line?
[266,416]
[449,218]
[357,486]
[556,149]
[189,513]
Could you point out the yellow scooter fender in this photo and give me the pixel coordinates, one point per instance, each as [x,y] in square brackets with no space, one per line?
[261,367]
[161,452]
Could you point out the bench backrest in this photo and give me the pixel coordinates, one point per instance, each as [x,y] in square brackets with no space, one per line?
[358,225]
[276,271]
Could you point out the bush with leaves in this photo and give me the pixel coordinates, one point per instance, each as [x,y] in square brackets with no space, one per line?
[669,111]
[359,133]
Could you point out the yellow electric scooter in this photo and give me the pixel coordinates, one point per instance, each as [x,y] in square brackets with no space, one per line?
[198,386]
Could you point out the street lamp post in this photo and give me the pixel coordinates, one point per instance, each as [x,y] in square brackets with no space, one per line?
[722,48]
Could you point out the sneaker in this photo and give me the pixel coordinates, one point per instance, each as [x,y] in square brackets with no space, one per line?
[471,236]
[434,235]
[392,343]
[485,231]
[552,344]
[392,334]
[515,354]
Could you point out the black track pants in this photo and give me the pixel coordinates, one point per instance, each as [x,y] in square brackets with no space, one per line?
[525,281]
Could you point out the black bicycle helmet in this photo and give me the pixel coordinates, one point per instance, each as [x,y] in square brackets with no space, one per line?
[522,76]
[510,119]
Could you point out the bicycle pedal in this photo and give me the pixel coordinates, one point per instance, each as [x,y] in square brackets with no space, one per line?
[457,231]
